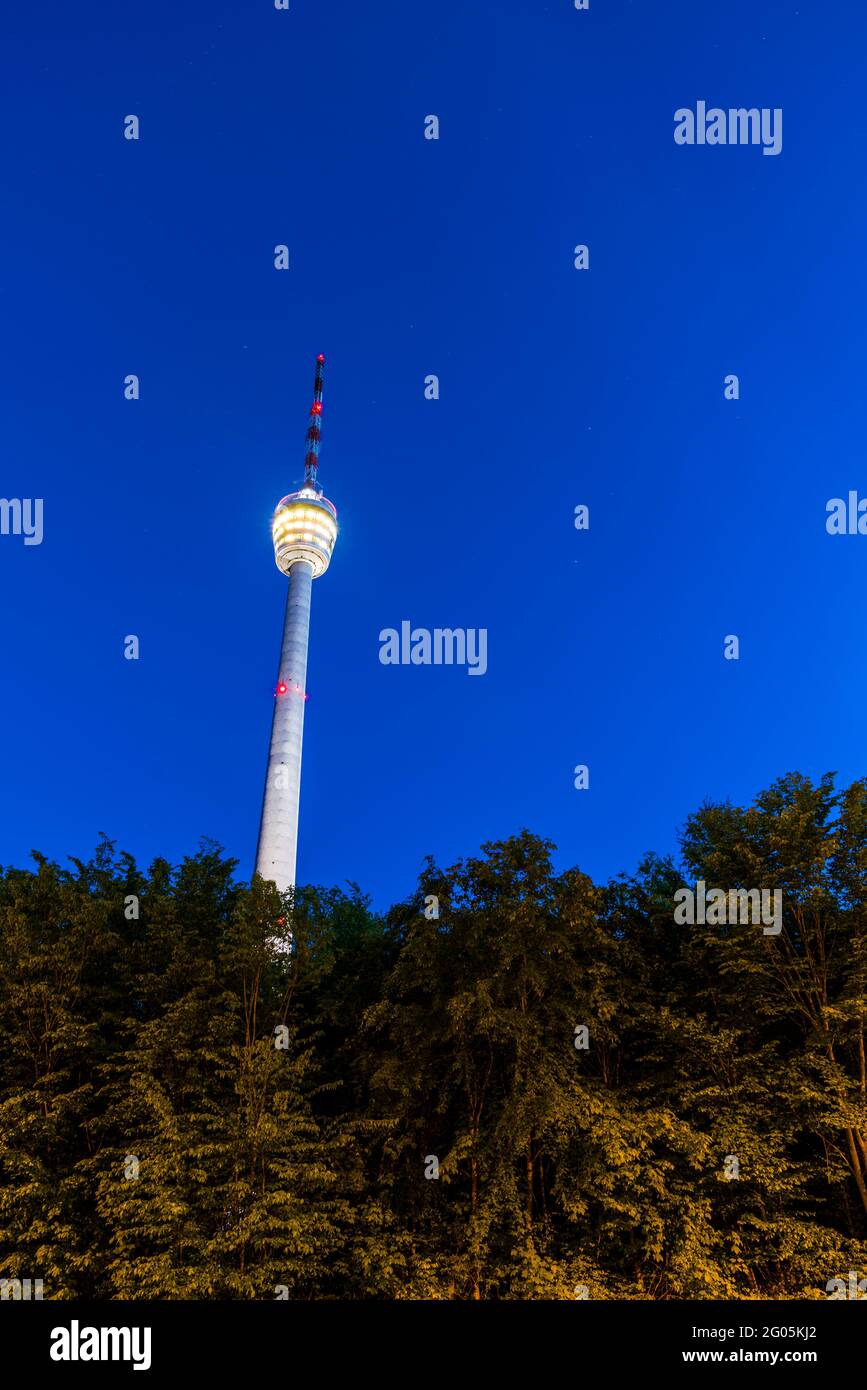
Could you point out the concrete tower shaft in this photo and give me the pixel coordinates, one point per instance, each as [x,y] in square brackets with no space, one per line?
[278,834]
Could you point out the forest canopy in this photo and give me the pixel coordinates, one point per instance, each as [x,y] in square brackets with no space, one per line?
[515,1084]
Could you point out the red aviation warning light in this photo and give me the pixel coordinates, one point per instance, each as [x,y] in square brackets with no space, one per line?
[281,689]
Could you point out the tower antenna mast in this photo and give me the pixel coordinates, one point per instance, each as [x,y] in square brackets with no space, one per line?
[314,429]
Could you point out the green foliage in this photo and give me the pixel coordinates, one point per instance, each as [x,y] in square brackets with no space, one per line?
[207,1091]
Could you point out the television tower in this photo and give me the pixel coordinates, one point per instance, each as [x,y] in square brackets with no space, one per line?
[304,529]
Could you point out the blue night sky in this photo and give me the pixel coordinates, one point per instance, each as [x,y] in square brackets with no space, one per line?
[558,387]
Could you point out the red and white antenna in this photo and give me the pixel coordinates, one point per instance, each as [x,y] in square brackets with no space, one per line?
[314,433]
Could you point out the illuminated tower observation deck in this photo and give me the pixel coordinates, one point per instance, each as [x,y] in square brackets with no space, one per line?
[304,530]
